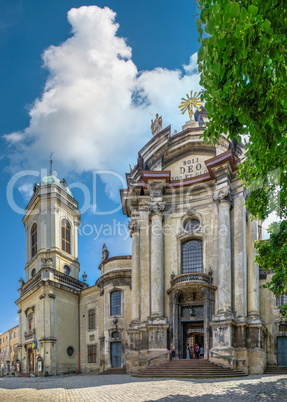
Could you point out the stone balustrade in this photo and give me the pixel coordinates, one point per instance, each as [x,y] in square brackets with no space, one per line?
[191,277]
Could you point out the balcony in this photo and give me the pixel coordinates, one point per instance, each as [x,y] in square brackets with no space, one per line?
[193,278]
[46,275]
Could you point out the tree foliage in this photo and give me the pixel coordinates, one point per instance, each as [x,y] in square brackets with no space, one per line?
[243,66]
[272,255]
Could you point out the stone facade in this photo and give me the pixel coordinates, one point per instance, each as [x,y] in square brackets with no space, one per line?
[191,277]
[8,351]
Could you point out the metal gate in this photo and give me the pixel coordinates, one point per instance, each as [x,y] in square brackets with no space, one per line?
[282,351]
[116,354]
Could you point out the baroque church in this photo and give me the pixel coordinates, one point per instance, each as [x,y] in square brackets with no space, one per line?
[191,276]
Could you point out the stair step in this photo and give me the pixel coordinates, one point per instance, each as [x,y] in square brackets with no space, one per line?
[189,369]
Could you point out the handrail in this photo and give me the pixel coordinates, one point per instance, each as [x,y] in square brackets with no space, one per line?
[156,357]
[228,358]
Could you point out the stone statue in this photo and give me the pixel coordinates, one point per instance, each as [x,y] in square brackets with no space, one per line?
[156,124]
[105,252]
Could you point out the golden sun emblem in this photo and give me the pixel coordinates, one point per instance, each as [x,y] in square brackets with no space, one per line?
[191,101]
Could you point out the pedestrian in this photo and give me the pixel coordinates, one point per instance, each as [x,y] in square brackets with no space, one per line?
[196,351]
[173,351]
[187,352]
[201,352]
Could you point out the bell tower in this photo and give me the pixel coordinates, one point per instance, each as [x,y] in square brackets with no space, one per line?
[49,297]
[51,222]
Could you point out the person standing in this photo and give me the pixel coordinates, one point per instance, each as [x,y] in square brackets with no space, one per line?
[201,352]
[187,352]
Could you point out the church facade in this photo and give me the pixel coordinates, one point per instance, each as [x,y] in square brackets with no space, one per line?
[191,276]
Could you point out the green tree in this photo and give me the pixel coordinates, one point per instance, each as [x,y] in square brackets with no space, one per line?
[243,66]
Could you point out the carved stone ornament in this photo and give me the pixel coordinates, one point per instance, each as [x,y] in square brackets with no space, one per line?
[156,189]
[133,227]
[77,222]
[191,212]
[47,262]
[222,195]
[55,209]
[157,207]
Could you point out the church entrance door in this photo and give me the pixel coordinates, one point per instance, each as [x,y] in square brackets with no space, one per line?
[282,351]
[192,334]
[116,354]
[31,360]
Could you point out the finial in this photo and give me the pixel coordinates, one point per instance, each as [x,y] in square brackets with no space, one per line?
[84,276]
[188,103]
[51,164]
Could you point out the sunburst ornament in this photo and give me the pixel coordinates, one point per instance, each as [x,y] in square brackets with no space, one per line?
[191,101]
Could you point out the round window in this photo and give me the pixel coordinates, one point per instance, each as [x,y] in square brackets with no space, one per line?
[70,351]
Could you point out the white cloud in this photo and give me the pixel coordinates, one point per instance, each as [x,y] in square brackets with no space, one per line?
[96,107]
[26,190]
[13,137]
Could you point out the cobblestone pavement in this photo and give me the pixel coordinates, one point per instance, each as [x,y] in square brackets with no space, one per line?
[90,387]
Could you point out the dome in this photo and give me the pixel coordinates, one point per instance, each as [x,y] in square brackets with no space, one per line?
[48,180]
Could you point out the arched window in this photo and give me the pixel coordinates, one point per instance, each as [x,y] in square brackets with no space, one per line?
[34,239]
[66,236]
[191,256]
[116,303]
[33,273]
[191,225]
[30,322]
[92,319]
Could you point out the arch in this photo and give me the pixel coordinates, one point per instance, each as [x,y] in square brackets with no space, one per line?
[191,256]
[116,302]
[66,235]
[191,225]
[34,239]
[33,272]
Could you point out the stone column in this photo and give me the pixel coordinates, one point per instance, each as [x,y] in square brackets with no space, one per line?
[253,274]
[207,317]
[222,199]
[175,318]
[240,260]
[134,231]
[157,269]
[144,247]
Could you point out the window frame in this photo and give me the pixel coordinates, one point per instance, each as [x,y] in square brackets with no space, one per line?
[91,319]
[92,354]
[66,235]
[186,259]
[281,300]
[34,239]
[114,306]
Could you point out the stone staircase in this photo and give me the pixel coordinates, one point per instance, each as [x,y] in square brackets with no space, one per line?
[276,370]
[114,371]
[192,368]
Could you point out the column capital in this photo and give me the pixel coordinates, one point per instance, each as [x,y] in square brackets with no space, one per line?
[223,195]
[133,227]
[157,208]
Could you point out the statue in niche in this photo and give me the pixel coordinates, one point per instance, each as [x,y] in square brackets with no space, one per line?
[156,124]
[105,252]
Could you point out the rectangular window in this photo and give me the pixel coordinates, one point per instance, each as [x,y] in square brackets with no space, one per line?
[92,319]
[281,300]
[92,353]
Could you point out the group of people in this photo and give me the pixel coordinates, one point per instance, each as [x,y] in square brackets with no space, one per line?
[194,352]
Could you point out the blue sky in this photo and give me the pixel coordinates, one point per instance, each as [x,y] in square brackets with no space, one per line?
[85,89]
